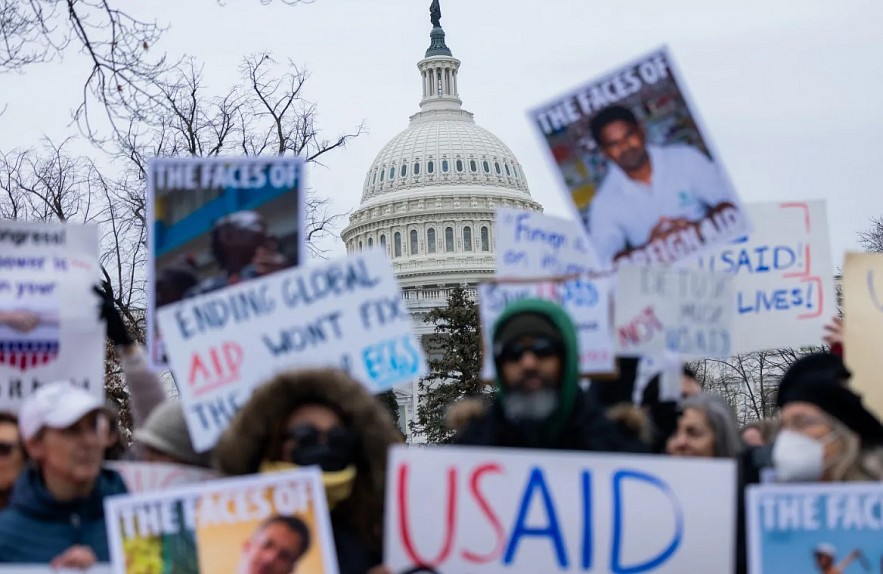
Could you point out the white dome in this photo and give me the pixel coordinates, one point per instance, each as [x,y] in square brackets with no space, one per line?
[443,148]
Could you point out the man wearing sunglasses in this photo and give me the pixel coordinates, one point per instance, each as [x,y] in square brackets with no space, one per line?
[538,402]
[56,513]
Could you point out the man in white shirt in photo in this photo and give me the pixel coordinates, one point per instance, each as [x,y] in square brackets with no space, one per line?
[649,190]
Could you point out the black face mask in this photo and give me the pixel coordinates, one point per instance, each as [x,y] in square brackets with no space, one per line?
[333,450]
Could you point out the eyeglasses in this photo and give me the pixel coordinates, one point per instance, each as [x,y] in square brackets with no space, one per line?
[541,348]
[7,448]
[801,423]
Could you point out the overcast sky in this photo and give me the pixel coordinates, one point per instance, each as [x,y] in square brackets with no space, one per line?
[790,91]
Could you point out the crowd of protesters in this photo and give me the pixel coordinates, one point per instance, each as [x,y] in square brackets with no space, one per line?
[53,479]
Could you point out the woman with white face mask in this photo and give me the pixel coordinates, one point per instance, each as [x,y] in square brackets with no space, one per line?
[827,435]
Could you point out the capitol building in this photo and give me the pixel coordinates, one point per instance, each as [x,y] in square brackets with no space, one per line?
[429,199]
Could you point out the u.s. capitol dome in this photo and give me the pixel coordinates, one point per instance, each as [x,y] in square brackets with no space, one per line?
[430,194]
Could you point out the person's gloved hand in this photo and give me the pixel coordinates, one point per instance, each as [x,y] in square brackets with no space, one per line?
[116,329]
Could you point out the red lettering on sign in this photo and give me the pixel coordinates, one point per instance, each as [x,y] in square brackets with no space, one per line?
[450,519]
[220,367]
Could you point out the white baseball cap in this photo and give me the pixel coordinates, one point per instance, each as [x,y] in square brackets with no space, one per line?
[825,549]
[55,405]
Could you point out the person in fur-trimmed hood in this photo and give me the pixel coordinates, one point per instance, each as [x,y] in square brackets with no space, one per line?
[321,417]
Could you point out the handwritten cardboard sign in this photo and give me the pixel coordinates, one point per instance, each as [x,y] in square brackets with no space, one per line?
[684,311]
[505,510]
[638,167]
[530,244]
[784,278]
[218,221]
[49,324]
[345,313]
[863,314]
[222,525]
[815,528]
[153,476]
[585,300]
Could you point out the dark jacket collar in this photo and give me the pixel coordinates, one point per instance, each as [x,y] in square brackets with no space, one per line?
[30,496]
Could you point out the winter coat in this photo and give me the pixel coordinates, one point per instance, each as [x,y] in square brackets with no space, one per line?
[253,434]
[578,422]
[36,527]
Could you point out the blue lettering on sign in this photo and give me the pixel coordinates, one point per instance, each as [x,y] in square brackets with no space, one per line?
[711,342]
[782,299]
[760,259]
[514,257]
[616,565]
[524,232]
[579,293]
[391,361]
[537,482]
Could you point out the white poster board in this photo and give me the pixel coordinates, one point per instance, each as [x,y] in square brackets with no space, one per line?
[784,278]
[153,476]
[530,244]
[684,311]
[345,313]
[814,527]
[480,510]
[49,317]
[222,525]
[585,300]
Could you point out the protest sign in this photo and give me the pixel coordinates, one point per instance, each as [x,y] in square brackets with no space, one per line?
[784,278]
[689,312]
[49,316]
[218,221]
[815,528]
[220,526]
[46,569]
[585,300]
[477,510]
[863,313]
[152,476]
[530,245]
[638,167]
[346,313]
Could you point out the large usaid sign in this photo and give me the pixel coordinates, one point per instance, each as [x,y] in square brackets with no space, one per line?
[475,510]
[815,527]
[346,313]
[49,324]
[689,312]
[530,244]
[784,278]
[586,301]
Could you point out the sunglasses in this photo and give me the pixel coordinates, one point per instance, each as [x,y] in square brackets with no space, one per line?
[7,448]
[540,347]
[336,437]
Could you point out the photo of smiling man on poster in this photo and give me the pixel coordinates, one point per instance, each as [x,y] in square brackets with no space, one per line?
[639,168]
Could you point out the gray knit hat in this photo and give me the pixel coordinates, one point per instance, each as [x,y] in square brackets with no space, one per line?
[166,431]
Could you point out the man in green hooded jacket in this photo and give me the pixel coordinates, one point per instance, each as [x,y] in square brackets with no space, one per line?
[538,401]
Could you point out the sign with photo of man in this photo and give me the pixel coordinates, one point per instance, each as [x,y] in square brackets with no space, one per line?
[825,527]
[273,523]
[216,222]
[639,168]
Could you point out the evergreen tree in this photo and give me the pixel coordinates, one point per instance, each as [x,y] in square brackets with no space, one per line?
[454,365]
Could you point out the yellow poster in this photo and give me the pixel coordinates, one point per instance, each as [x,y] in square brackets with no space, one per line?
[863,325]
[262,524]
